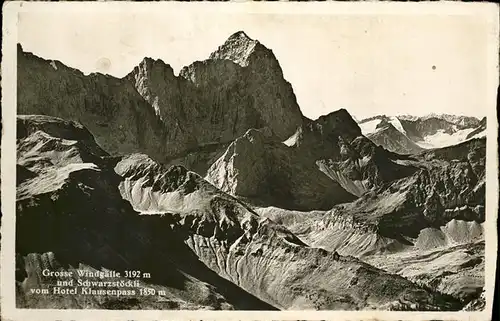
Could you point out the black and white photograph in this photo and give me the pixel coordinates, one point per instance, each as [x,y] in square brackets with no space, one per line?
[237,157]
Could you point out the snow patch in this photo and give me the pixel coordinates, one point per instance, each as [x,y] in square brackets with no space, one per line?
[442,139]
[397,124]
[369,127]
[292,140]
[363,161]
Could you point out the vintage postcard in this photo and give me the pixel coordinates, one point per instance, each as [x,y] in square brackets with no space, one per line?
[329,161]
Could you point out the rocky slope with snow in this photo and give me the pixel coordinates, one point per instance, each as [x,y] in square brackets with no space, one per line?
[410,134]
[335,142]
[389,133]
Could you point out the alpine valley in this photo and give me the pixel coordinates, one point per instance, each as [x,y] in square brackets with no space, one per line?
[214,185]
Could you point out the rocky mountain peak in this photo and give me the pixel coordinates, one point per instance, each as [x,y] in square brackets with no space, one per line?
[239,48]
[240,37]
[338,123]
[153,111]
[384,122]
[151,65]
[152,79]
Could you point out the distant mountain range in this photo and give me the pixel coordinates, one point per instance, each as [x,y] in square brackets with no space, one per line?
[411,134]
[216,184]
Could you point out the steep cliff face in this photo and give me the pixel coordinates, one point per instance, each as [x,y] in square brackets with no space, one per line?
[391,138]
[336,144]
[247,79]
[165,116]
[241,86]
[203,248]
[259,167]
[321,138]
[111,108]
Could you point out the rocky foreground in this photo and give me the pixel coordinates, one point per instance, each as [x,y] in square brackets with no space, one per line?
[204,247]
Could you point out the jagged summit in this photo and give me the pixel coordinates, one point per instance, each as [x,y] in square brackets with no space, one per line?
[155,112]
[152,63]
[239,48]
[455,119]
[240,36]
[340,120]
[148,68]
[328,127]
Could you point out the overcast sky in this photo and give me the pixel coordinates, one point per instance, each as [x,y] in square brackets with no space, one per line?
[368,64]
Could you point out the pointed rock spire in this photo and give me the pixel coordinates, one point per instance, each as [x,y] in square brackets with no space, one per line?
[238,48]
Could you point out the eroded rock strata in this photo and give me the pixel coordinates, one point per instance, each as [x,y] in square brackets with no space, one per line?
[134,213]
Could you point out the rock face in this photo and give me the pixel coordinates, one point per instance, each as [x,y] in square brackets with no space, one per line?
[247,79]
[104,230]
[325,162]
[433,210]
[111,108]
[457,269]
[449,184]
[260,167]
[151,110]
[339,149]
[411,135]
[203,248]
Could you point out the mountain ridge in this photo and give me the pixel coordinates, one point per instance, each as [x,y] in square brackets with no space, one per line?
[216,100]
[215,181]
[418,133]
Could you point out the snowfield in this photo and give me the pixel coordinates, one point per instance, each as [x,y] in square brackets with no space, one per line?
[396,123]
[442,139]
